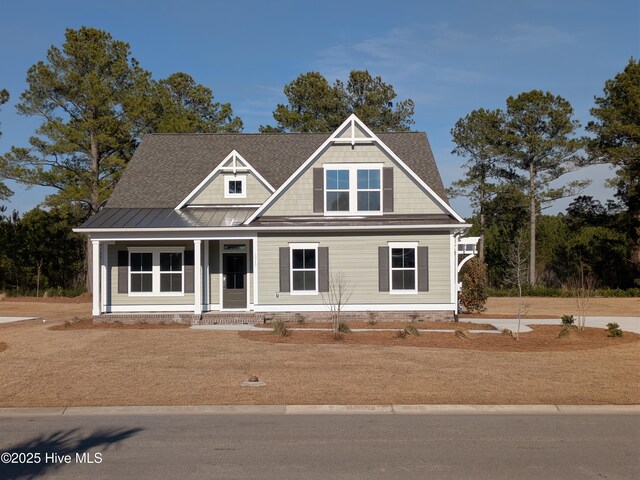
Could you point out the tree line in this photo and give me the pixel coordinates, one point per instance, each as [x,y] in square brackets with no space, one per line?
[95,101]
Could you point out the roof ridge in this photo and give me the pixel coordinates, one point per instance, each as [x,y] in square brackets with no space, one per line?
[157,134]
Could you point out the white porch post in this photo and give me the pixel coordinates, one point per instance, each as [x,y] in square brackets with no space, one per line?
[103,275]
[197,276]
[95,244]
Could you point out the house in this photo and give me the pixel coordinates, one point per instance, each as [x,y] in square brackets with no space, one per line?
[242,224]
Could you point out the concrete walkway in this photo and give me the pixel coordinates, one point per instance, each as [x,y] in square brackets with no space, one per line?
[627,324]
[15,319]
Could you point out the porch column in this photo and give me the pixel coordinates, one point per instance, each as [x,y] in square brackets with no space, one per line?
[197,276]
[95,244]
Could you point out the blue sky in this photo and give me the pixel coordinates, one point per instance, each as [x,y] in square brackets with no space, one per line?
[449,57]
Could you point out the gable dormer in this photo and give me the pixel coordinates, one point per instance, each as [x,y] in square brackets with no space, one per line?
[354,173]
[233,182]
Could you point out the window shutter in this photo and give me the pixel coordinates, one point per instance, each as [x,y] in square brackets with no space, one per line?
[323,269]
[383,269]
[423,269]
[387,185]
[318,190]
[214,256]
[123,271]
[284,269]
[188,271]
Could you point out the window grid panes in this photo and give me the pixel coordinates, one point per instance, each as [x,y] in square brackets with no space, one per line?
[171,271]
[303,268]
[141,272]
[235,187]
[156,272]
[368,190]
[337,187]
[403,269]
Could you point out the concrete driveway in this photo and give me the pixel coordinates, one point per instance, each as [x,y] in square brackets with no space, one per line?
[15,319]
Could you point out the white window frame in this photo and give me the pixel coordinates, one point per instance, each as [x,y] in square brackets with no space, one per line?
[405,245]
[235,178]
[155,271]
[302,246]
[353,188]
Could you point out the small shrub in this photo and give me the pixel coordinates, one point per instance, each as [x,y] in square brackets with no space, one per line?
[343,328]
[280,328]
[462,333]
[565,331]
[474,291]
[614,329]
[412,330]
[372,317]
[401,333]
[415,316]
[568,320]
[506,331]
[300,318]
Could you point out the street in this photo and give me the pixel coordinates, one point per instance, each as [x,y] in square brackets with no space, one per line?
[485,446]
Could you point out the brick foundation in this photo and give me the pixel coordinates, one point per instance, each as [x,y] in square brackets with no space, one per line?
[218,318]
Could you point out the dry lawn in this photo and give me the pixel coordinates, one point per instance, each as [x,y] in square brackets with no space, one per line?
[118,366]
[556,307]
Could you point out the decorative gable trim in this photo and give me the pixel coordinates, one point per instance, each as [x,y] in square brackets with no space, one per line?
[232,163]
[348,133]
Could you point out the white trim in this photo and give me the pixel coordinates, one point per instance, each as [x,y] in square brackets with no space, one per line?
[201,231]
[197,276]
[234,156]
[333,138]
[404,245]
[254,254]
[302,246]
[453,260]
[220,205]
[362,307]
[103,275]
[95,277]
[246,266]
[235,178]
[155,270]
[207,276]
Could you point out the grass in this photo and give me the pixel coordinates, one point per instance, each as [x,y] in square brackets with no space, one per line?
[177,366]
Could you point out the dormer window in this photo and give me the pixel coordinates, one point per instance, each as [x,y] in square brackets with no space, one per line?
[235,186]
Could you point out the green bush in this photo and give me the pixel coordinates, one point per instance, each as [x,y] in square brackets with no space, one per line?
[614,329]
[568,320]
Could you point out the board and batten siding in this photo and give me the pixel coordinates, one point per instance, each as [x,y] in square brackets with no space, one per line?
[213,193]
[122,299]
[409,198]
[356,255]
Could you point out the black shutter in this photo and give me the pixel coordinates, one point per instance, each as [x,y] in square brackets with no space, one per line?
[123,271]
[318,190]
[387,185]
[284,269]
[383,269]
[323,269]
[188,271]
[423,269]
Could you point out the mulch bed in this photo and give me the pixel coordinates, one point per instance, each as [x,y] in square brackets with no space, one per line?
[389,325]
[87,324]
[544,338]
[504,315]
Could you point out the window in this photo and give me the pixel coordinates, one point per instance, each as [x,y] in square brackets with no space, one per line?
[235,186]
[141,272]
[337,190]
[369,190]
[304,268]
[353,188]
[403,267]
[156,271]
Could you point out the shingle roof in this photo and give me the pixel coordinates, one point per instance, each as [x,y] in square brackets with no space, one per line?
[167,167]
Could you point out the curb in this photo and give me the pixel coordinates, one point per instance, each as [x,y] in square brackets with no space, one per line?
[324,409]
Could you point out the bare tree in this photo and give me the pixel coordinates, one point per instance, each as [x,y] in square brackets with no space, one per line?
[583,287]
[339,294]
[517,259]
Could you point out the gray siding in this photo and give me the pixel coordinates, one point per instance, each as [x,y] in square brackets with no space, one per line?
[409,198]
[357,257]
[213,194]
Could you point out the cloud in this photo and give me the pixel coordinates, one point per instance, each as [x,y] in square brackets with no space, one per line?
[527,36]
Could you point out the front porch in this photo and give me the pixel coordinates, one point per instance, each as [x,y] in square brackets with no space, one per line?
[174,277]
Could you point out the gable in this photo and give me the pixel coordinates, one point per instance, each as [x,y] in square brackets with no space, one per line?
[255,193]
[408,196]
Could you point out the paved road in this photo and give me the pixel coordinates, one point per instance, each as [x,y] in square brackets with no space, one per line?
[327,446]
